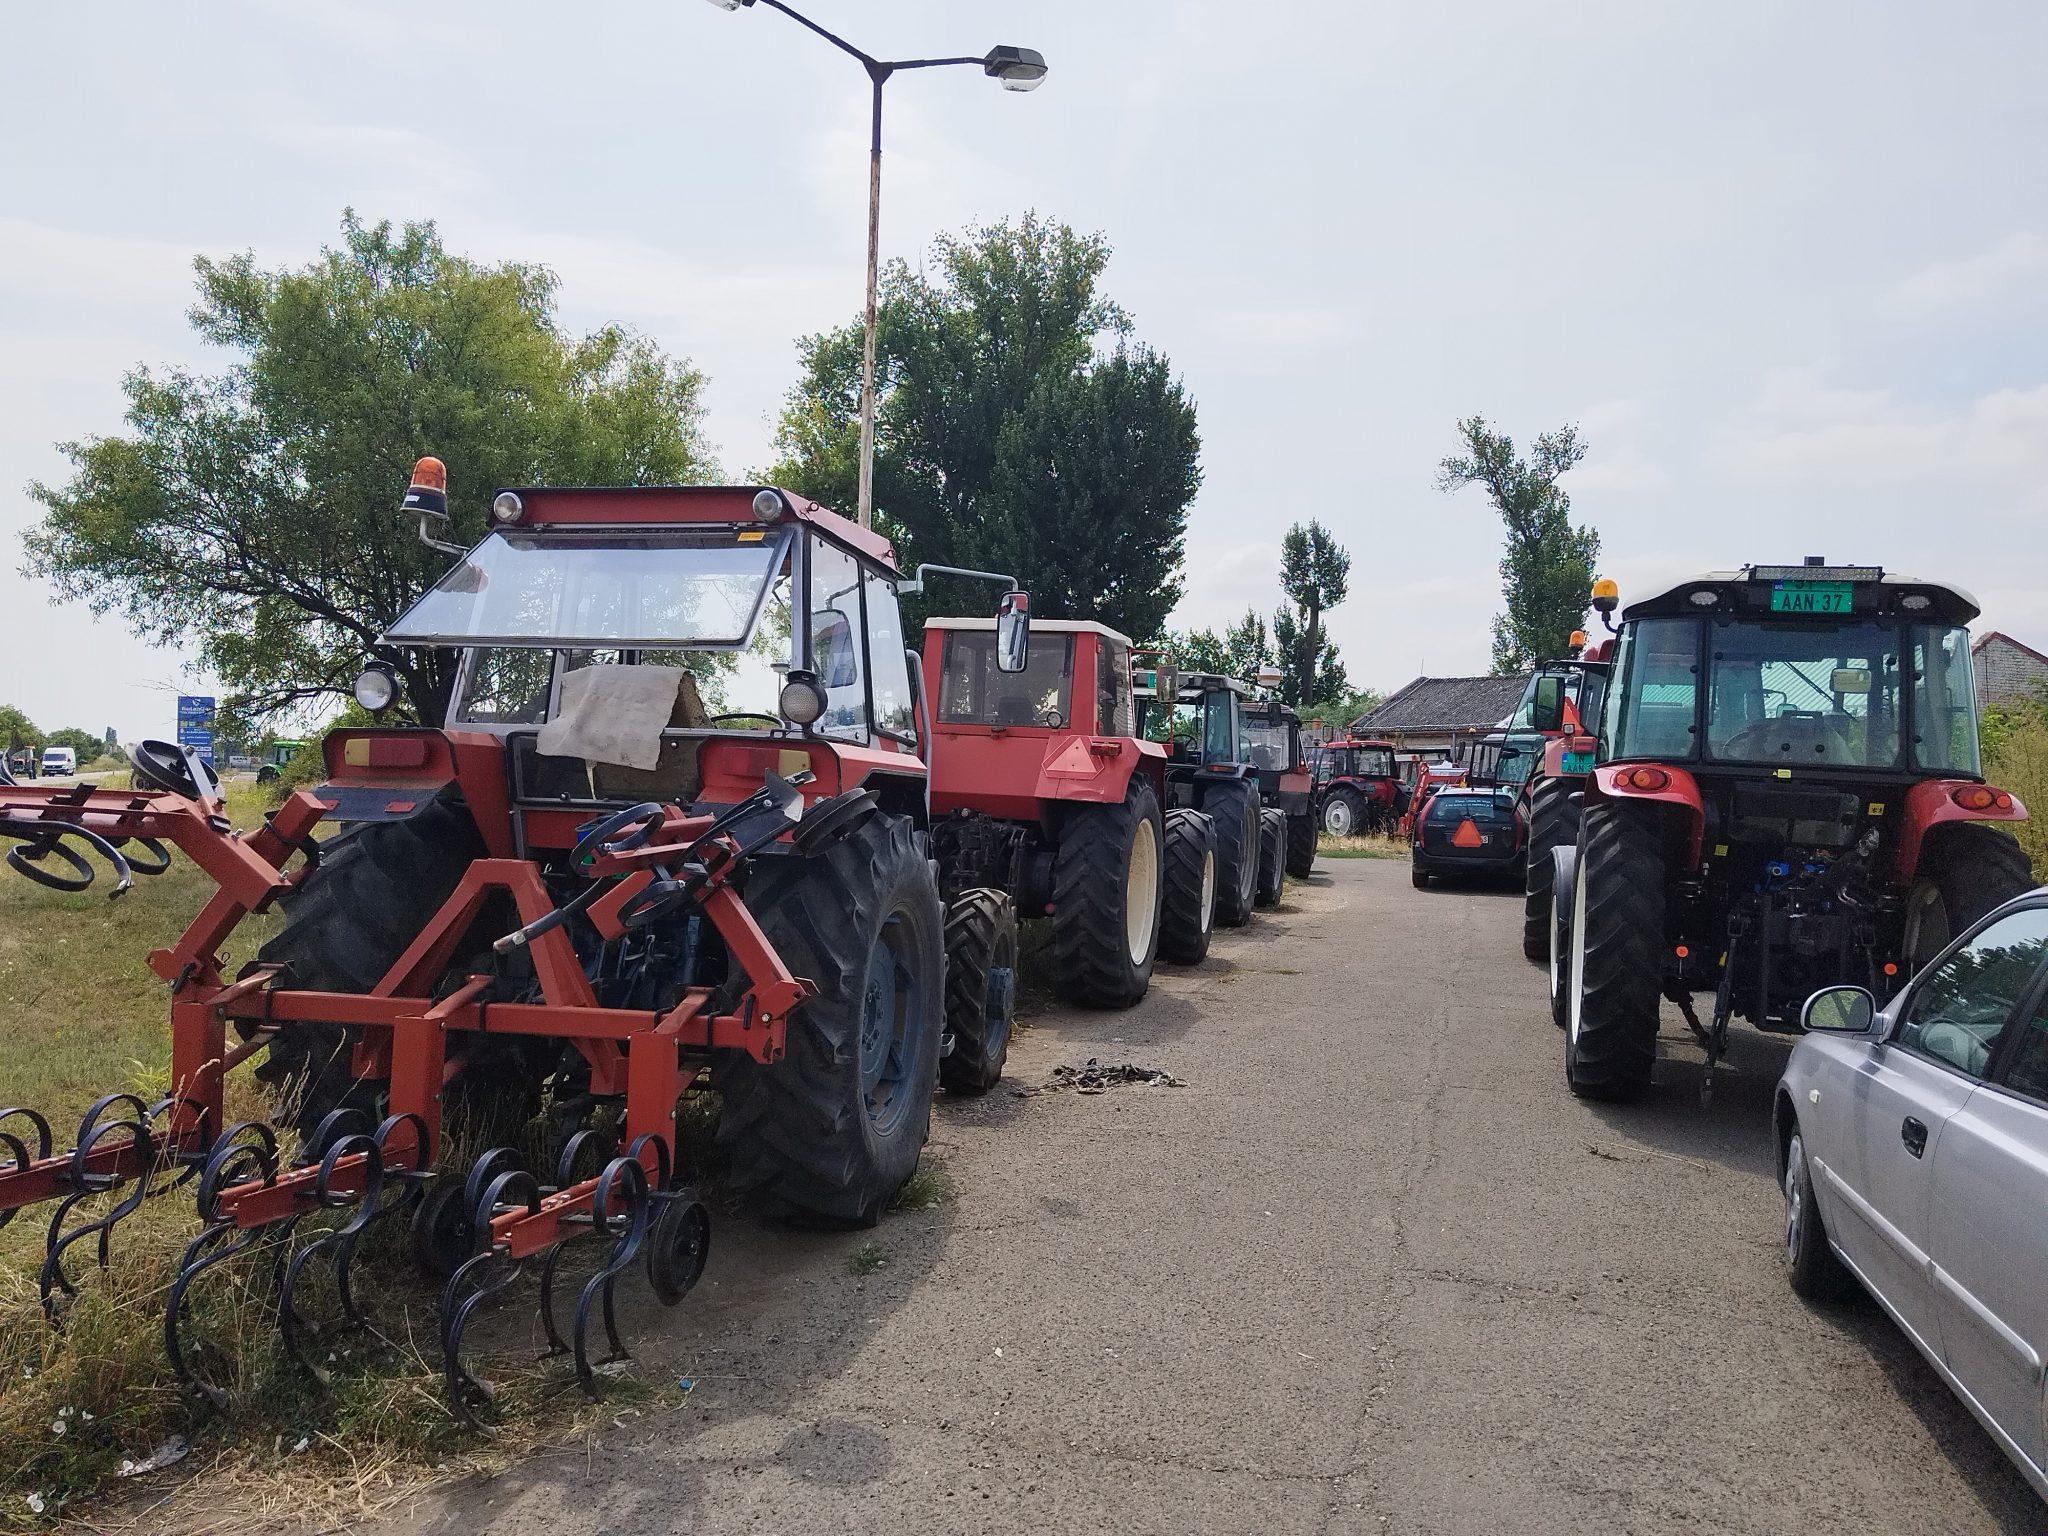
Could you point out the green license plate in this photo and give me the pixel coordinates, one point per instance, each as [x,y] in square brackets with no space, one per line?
[1576,762]
[1812,596]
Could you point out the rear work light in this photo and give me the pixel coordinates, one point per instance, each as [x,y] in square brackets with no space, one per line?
[1643,778]
[1981,797]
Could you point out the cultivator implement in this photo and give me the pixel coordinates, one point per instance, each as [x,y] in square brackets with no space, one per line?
[408,1032]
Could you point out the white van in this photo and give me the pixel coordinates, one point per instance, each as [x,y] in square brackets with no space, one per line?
[59,762]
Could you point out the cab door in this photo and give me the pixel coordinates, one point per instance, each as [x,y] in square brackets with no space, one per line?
[1990,1243]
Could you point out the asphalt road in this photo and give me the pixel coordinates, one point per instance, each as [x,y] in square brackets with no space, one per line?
[1371,1270]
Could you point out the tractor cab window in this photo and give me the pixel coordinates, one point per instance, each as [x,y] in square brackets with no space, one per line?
[972,691]
[1944,701]
[894,712]
[1271,751]
[1113,712]
[1222,738]
[834,649]
[1804,695]
[1659,666]
[1374,762]
[506,685]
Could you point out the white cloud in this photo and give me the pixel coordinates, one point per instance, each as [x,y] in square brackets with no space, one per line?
[2016,266]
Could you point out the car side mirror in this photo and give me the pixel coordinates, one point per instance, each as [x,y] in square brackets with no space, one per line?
[1013,632]
[1840,1011]
[1547,711]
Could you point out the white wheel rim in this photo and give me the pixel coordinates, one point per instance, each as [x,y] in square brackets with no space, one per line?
[1578,983]
[1208,889]
[1338,818]
[1554,945]
[1795,1209]
[1141,892]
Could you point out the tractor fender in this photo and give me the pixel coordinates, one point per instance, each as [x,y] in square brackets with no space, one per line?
[1935,802]
[1096,770]
[1680,790]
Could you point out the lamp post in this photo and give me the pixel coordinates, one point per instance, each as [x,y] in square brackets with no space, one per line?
[1018,69]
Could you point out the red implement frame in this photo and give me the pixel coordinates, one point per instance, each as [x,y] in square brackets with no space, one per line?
[402,1031]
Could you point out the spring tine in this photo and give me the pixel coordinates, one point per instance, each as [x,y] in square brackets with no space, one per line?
[557,1345]
[511,1187]
[340,1241]
[244,1151]
[84,1184]
[630,1227]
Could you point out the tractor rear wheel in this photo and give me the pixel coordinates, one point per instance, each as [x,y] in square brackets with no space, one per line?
[1272,857]
[345,925]
[1190,894]
[981,989]
[1233,804]
[1617,937]
[1553,823]
[829,1134]
[1966,869]
[1105,899]
[1301,844]
[1343,813]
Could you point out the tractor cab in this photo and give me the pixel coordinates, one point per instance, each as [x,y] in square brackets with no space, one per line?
[623,645]
[1203,718]
[1357,786]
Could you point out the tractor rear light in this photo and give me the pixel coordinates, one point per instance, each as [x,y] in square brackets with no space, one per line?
[1643,778]
[506,507]
[769,505]
[1977,797]
[1891,967]
[1682,951]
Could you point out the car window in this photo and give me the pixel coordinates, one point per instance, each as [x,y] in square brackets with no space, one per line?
[2027,1071]
[1958,1011]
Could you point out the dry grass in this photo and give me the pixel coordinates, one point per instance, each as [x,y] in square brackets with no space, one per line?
[82,1015]
[1375,846]
[2020,763]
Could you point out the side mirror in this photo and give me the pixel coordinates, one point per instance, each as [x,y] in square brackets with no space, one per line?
[1839,1011]
[1013,632]
[1547,710]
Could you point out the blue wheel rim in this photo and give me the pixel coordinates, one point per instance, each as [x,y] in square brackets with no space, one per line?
[892,1002]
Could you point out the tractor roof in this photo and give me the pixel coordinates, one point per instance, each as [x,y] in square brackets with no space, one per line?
[1747,592]
[641,506]
[1039,627]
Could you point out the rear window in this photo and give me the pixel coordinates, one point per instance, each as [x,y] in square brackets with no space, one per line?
[1450,807]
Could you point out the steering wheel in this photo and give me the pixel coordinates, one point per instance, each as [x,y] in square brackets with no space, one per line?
[174,769]
[620,832]
[774,721]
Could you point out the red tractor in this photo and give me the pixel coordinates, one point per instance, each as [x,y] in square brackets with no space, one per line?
[1786,795]
[1357,789]
[1045,803]
[673,835]
[1286,786]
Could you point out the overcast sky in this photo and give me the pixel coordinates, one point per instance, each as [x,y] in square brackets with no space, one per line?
[1786,266]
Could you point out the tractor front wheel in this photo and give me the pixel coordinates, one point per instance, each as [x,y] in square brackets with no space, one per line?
[1105,899]
[1966,869]
[1343,814]
[981,989]
[829,1134]
[1301,844]
[1190,895]
[1553,823]
[1272,857]
[1233,804]
[1617,939]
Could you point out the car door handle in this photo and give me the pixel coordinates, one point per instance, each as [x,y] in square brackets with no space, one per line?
[1914,1134]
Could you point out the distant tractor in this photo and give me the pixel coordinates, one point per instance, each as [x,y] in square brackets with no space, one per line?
[1202,718]
[1356,788]
[1786,795]
[1045,803]
[1564,696]
[1286,785]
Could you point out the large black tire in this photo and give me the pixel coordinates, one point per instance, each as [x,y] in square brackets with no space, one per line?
[829,1134]
[1617,954]
[1106,899]
[1966,869]
[1189,899]
[1553,823]
[1233,804]
[345,925]
[1810,1264]
[1343,813]
[981,989]
[1272,857]
[1301,844]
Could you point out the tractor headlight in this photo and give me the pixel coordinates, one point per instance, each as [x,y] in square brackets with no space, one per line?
[802,701]
[376,687]
[506,507]
[768,505]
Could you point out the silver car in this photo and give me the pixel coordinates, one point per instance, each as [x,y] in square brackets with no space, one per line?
[1913,1141]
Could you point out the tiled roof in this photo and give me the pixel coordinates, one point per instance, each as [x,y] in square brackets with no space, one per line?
[1444,703]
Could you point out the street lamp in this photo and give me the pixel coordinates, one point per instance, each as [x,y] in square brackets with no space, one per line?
[1018,69]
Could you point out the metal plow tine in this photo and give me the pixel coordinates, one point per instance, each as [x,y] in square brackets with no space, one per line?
[244,1153]
[619,1208]
[300,1342]
[93,1129]
[485,1274]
